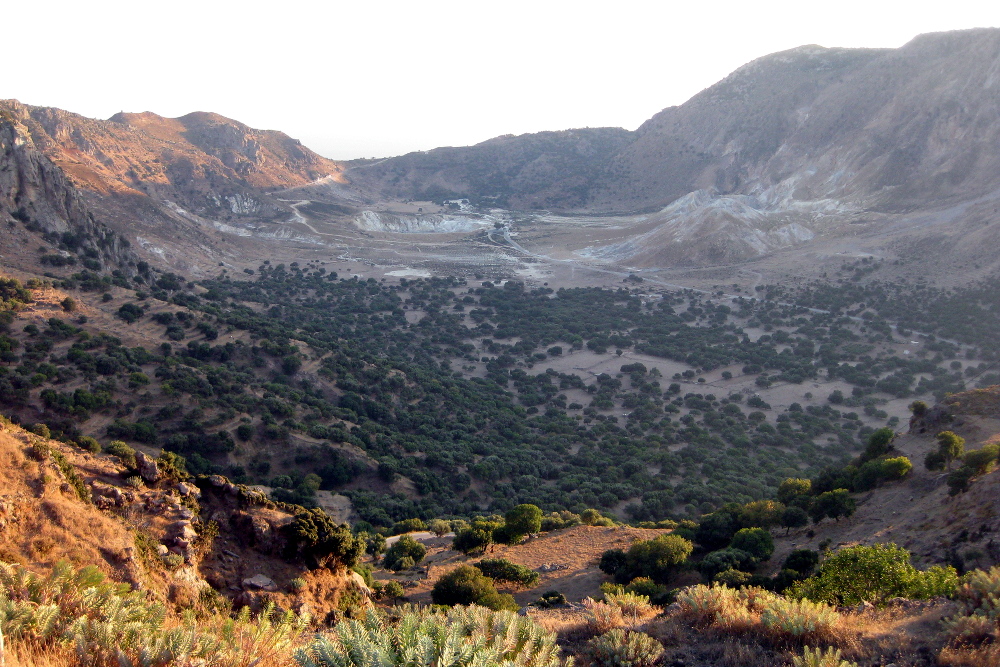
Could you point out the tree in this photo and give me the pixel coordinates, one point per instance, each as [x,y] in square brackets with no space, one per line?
[879,443]
[657,558]
[68,304]
[467,585]
[405,547]
[794,517]
[613,561]
[951,446]
[315,536]
[393,590]
[873,574]
[501,569]
[761,514]
[834,504]
[477,538]
[717,529]
[130,312]
[793,487]
[755,541]
[722,560]
[802,561]
[521,521]
[439,527]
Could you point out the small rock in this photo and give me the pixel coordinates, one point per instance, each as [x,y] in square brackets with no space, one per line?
[230,553]
[162,550]
[217,481]
[260,582]
[148,469]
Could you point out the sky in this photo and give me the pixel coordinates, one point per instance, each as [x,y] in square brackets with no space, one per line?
[373,78]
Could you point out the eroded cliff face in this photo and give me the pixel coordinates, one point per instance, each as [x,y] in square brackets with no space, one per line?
[203,162]
[36,193]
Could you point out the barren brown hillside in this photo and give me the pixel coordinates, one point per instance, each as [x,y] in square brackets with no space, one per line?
[918,513]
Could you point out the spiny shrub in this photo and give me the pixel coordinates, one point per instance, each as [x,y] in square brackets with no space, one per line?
[980,592]
[974,629]
[501,569]
[979,595]
[458,637]
[108,624]
[813,657]
[630,603]
[798,619]
[701,604]
[602,617]
[620,648]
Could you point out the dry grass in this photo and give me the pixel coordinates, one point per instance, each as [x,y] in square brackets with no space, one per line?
[983,656]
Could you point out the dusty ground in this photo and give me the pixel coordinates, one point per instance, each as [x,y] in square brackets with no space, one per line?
[575,553]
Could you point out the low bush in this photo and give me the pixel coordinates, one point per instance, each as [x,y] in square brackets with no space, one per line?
[467,585]
[622,648]
[453,638]
[800,620]
[630,603]
[501,569]
[602,616]
[814,657]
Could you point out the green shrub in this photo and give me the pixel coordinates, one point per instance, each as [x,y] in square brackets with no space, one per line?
[107,623]
[408,526]
[477,537]
[88,444]
[725,559]
[981,460]
[732,578]
[873,574]
[550,599]
[124,453]
[896,468]
[629,603]
[467,585]
[622,648]
[501,569]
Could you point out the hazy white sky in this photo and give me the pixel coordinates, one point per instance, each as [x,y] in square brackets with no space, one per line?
[376,78]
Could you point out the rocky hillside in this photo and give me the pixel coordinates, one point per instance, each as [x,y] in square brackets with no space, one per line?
[547,169]
[886,129]
[204,162]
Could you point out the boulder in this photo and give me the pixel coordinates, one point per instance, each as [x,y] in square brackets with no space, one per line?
[186,490]
[148,469]
[260,582]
